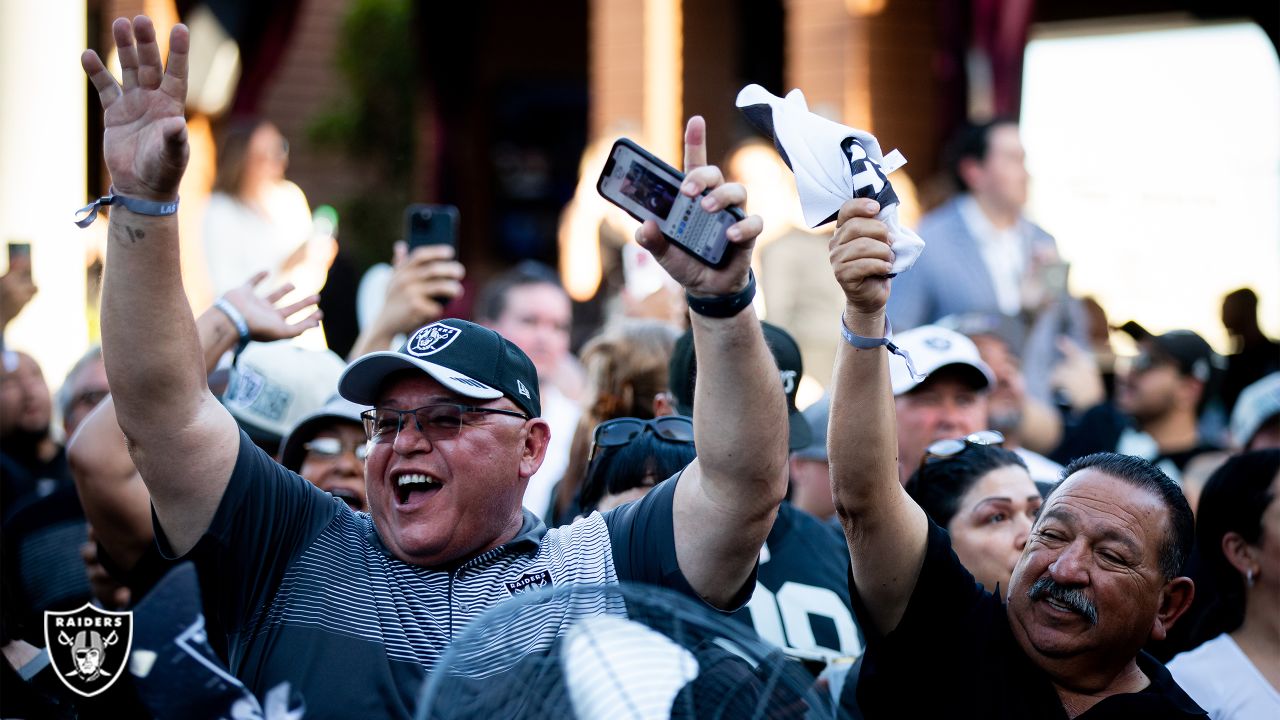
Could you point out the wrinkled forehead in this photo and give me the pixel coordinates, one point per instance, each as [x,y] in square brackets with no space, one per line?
[1104,505]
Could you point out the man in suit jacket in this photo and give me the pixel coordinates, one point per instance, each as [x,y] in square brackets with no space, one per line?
[982,254]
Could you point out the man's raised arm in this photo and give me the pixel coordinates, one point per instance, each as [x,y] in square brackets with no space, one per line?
[115,499]
[727,499]
[885,529]
[182,441]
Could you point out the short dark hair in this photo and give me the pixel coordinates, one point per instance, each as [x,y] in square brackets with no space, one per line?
[971,142]
[1233,500]
[1140,473]
[615,470]
[492,302]
[938,485]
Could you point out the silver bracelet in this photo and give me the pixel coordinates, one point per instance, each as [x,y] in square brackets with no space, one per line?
[866,343]
[237,319]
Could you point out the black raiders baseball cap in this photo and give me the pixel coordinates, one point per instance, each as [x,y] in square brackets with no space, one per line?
[786,353]
[468,359]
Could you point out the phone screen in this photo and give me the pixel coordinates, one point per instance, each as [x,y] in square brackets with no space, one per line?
[649,189]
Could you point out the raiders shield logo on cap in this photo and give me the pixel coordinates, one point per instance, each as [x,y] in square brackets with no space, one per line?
[88,647]
[431,339]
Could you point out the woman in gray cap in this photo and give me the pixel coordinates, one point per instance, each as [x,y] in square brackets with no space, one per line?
[328,448]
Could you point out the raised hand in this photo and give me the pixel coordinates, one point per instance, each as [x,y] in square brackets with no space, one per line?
[421,279]
[861,256]
[145,138]
[268,321]
[697,277]
[16,289]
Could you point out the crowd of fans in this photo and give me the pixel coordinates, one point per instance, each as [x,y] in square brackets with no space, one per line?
[1004,529]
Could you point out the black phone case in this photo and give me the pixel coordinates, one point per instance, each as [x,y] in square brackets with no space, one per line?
[631,145]
[434,238]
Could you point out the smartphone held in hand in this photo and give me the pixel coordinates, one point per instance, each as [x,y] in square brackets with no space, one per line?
[430,225]
[649,189]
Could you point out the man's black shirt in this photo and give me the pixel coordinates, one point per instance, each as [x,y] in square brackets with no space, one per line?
[954,655]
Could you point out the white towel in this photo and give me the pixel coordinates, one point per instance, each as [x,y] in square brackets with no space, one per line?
[832,163]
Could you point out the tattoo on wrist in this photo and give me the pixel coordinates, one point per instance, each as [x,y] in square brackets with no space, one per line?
[135,234]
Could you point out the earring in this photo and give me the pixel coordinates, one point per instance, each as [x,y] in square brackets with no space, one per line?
[1248,577]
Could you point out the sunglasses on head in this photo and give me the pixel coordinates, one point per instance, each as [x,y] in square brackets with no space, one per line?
[621,431]
[950,447]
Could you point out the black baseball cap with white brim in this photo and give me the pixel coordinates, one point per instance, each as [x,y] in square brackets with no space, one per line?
[467,359]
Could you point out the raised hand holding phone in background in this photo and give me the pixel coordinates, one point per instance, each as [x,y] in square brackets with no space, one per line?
[731,272]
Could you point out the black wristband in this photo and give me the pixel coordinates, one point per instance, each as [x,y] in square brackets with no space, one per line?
[723,306]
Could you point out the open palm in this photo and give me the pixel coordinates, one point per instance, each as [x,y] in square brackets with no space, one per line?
[145,138]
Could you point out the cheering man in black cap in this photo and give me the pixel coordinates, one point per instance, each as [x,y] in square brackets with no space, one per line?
[351,609]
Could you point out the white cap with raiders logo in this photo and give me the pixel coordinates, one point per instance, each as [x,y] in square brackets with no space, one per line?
[932,348]
[467,359]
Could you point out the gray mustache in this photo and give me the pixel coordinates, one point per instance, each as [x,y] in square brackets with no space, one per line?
[1071,597]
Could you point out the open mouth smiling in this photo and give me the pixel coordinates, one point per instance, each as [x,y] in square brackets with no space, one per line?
[414,486]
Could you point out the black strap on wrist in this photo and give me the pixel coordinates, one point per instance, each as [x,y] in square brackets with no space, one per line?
[723,306]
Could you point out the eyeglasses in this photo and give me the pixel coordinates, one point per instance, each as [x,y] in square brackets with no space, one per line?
[441,421]
[951,447]
[331,448]
[90,397]
[621,431]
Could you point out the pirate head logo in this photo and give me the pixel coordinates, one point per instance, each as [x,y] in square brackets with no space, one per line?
[940,344]
[431,339]
[868,179]
[88,647]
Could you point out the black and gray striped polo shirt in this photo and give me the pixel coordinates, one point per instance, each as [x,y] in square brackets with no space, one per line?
[310,596]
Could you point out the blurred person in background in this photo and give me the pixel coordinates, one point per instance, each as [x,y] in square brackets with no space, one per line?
[256,218]
[1235,673]
[1021,419]
[950,401]
[1255,422]
[984,256]
[16,290]
[44,525]
[1253,354]
[328,448]
[32,462]
[1158,405]
[528,306]
[626,371]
